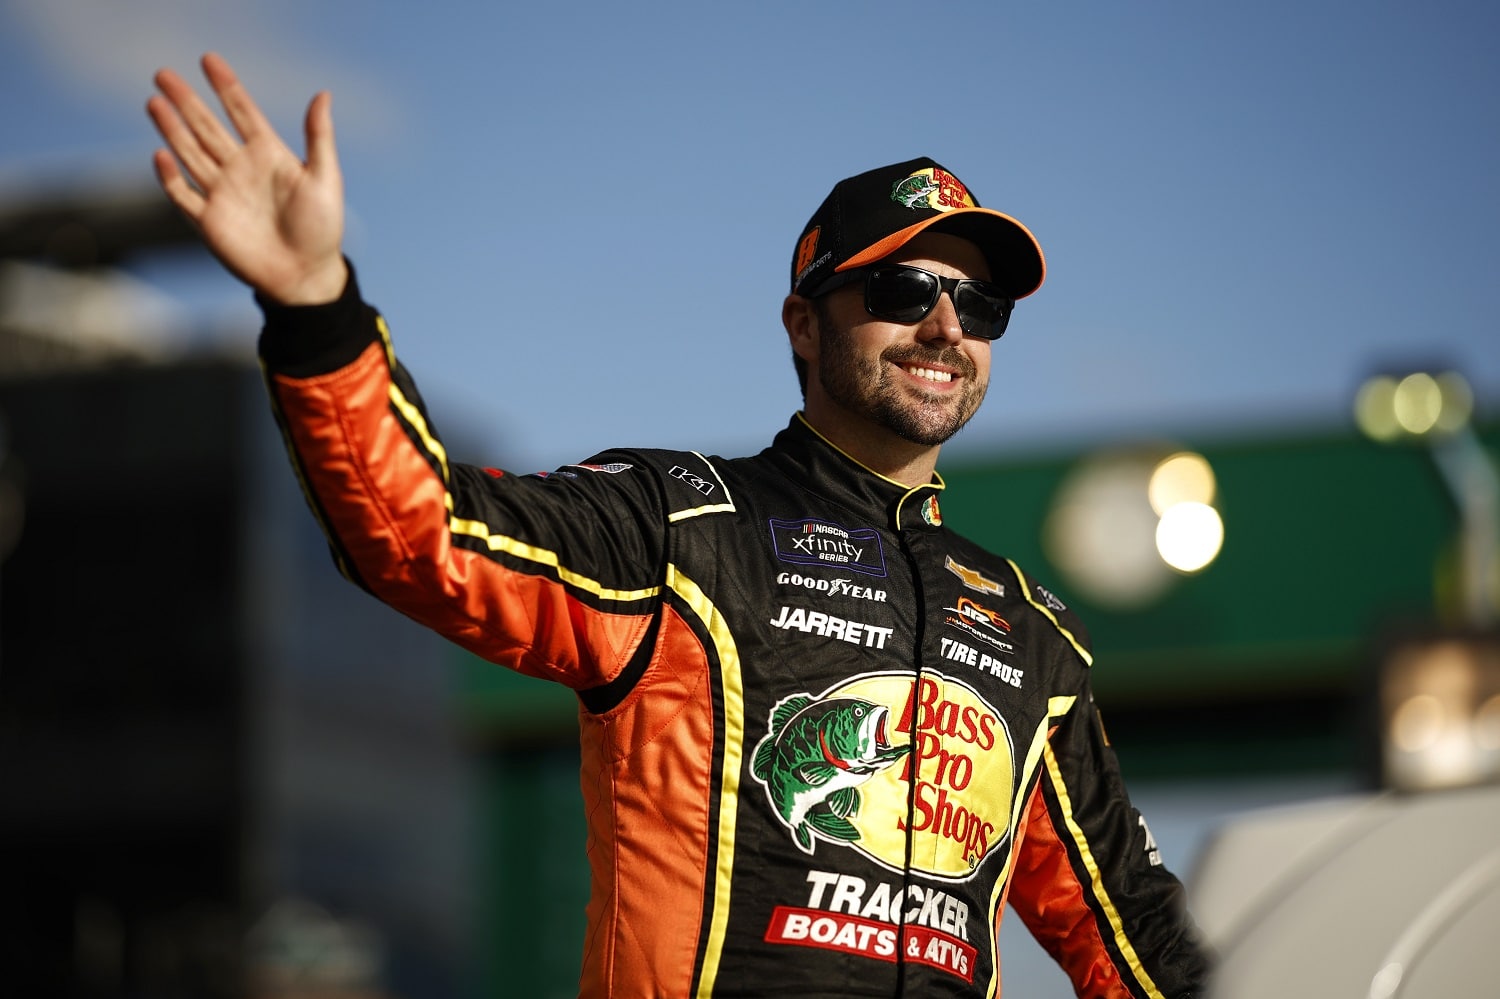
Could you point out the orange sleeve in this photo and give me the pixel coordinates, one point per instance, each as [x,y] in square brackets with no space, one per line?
[510,570]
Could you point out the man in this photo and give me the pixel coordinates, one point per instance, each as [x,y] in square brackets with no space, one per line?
[825,739]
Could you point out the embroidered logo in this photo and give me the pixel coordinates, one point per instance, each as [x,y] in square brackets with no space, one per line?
[973,579]
[818,542]
[612,468]
[696,481]
[1049,599]
[933,188]
[975,619]
[806,249]
[832,772]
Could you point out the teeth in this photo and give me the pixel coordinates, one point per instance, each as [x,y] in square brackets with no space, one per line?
[930,375]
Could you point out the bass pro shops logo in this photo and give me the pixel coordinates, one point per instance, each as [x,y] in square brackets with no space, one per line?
[832,771]
[932,187]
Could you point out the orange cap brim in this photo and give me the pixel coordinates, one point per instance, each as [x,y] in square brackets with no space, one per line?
[1022,238]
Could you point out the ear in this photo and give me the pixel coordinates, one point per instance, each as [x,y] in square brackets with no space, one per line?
[801,322]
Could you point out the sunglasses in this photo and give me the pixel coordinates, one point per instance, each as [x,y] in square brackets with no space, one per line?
[903,294]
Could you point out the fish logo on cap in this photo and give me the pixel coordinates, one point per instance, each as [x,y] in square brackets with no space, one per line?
[934,188]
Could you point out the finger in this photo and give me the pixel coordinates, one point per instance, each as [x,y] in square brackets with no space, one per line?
[322,151]
[241,108]
[181,193]
[206,127]
[183,142]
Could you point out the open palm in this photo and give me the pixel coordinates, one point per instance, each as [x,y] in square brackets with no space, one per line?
[275,221]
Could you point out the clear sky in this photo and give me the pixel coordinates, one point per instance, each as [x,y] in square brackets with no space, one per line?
[578,217]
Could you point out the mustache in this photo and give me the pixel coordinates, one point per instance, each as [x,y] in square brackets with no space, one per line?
[947,357]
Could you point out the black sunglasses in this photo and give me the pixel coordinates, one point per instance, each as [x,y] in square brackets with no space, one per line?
[904,294]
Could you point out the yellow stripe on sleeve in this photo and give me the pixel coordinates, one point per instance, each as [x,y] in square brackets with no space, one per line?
[1117,925]
[1072,639]
[1056,708]
[734,739]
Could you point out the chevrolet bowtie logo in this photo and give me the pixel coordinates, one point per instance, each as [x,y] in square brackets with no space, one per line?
[974,580]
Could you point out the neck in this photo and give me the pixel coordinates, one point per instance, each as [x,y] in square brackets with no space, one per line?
[875,447]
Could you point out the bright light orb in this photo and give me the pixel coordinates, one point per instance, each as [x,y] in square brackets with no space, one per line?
[1418,723]
[1418,402]
[1388,409]
[1458,402]
[1375,409]
[1183,477]
[1189,536]
[1100,531]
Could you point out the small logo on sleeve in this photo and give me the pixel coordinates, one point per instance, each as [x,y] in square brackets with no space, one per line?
[698,482]
[611,468]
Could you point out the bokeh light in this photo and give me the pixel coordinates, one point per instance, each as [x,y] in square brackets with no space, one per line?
[1189,536]
[1184,477]
[1387,408]
[1125,524]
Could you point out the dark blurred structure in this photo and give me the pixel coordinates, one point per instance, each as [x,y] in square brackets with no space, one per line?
[224,771]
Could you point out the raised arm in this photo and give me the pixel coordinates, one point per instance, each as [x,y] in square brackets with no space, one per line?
[273,220]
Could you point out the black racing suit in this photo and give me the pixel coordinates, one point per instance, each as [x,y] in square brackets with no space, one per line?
[825,738]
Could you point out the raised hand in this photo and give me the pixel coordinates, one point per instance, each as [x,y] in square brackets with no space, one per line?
[274,221]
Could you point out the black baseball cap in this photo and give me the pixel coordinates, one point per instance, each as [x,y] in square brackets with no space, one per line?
[872,215]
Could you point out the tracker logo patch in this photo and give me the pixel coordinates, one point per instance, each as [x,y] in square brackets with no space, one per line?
[819,542]
[848,913]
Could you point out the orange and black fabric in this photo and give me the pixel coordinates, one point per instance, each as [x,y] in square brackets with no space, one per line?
[826,739]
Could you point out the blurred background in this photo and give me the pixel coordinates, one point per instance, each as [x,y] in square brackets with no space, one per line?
[1247,429]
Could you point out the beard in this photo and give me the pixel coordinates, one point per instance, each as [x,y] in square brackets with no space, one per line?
[867,386]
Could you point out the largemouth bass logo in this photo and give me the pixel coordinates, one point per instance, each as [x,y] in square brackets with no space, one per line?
[914,190]
[814,758]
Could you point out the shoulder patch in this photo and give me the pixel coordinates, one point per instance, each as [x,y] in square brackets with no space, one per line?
[690,482]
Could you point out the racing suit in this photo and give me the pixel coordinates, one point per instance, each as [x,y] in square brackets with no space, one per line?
[825,739]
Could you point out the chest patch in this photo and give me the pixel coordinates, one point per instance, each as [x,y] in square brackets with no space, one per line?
[820,542]
[839,766]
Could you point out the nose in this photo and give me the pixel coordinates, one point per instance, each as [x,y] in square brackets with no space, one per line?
[941,326]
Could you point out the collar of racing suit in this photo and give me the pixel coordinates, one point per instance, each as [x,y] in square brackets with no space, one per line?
[807,456]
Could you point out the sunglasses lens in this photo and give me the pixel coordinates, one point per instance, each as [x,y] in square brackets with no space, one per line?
[982,310]
[906,294]
[900,294]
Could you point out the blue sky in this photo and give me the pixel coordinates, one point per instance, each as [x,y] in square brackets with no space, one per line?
[578,217]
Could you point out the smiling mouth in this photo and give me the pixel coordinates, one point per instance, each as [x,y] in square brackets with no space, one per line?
[928,374]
